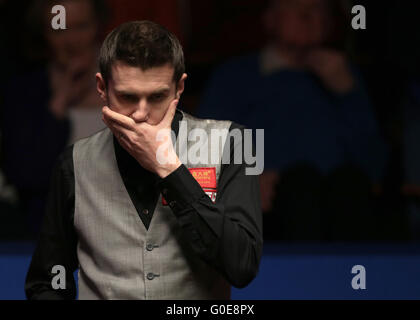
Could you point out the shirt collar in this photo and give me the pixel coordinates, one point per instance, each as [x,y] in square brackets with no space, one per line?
[271,61]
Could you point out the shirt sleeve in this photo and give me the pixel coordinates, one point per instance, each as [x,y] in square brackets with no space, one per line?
[57,242]
[226,234]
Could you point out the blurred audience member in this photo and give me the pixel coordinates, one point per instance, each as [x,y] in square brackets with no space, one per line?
[72,69]
[302,89]
[168,13]
[44,110]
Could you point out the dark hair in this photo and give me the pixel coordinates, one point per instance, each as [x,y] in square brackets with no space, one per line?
[143,44]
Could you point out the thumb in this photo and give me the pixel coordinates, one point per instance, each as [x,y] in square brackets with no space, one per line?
[169,115]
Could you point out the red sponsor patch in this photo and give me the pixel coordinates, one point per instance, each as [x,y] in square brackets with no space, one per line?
[206,177]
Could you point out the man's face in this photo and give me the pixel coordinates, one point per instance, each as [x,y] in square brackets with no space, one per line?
[299,23]
[143,95]
[79,39]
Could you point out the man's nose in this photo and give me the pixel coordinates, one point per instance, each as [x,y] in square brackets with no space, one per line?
[141,113]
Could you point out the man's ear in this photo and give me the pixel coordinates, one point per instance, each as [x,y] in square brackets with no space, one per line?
[101,87]
[180,86]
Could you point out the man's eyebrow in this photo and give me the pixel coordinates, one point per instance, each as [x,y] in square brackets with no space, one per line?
[163,90]
[125,92]
[160,91]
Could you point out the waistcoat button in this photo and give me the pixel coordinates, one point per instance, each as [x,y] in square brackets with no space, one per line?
[150,276]
[145,211]
[149,247]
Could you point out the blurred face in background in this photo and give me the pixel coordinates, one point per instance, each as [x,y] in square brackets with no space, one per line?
[299,24]
[79,39]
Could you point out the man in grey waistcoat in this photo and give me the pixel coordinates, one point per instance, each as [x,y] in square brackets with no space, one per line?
[154,205]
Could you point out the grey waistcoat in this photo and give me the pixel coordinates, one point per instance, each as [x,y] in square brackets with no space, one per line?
[118,257]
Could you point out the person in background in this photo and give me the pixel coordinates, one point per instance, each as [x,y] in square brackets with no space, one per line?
[47,108]
[311,102]
[72,71]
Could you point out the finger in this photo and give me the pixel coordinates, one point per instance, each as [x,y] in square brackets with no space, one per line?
[169,115]
[310,60]
[81,62]
[118,130]
[314,57]
[315,62]
[122,140]
[121,119]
